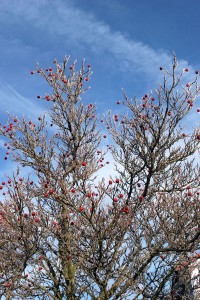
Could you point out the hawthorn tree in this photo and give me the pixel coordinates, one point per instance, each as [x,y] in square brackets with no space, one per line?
[66,234]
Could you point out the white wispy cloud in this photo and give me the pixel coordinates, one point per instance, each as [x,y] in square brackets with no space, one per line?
[15,103]
[62,20]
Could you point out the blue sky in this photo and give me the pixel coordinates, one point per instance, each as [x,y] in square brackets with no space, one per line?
[125,41]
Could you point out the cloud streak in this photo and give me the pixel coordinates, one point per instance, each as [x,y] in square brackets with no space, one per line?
[15,103]
[61,20]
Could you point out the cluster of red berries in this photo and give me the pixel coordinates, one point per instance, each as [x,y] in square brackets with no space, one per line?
[48,193]
[116,118]
[190,102]
[9,128]
[7,152]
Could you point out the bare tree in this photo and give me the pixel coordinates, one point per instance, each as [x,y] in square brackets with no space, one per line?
[65,236]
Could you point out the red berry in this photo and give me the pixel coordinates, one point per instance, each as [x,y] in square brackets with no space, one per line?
[47,98]
[40,268]
[186,69]
[9,181]
[37,220]
[31,72]
[83,163]
[117,180]
[1,187]
[73,190]
[86,79]
[184,135]
[196,72]
[51,192]
[118,102]
[7,284]
[54,223]
[126,209]
[81,208]
[110,182]
[104,136]
[161,68]
[33,213]
[38,97]
[115,200]
[121,195]
[45,194]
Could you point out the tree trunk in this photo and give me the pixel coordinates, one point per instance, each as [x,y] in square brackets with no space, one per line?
[66,255]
